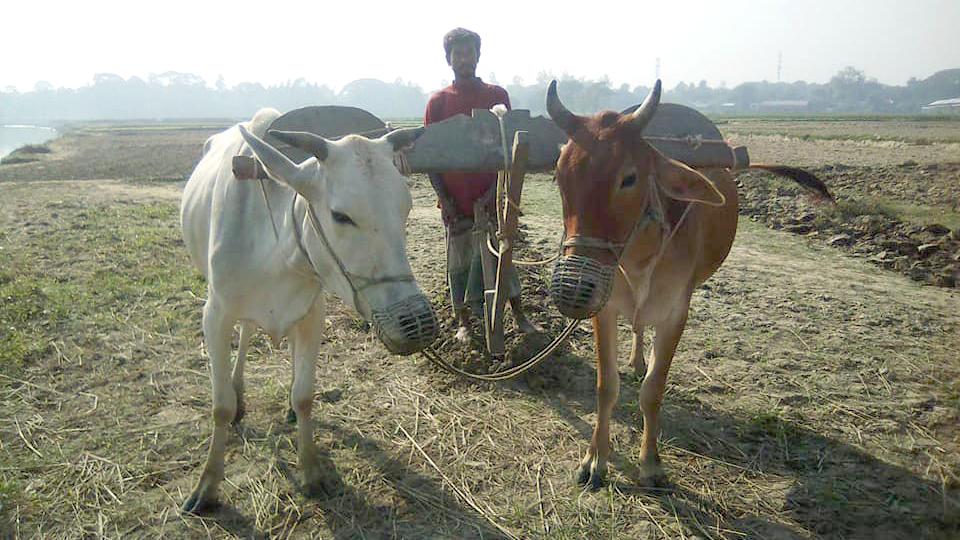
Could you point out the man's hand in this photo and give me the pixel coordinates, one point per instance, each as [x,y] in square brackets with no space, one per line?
[448,210]
[489,201]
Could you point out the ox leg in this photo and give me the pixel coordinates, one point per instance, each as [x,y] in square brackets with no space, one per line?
[217,333]
[593,467]
[665,341]
[636,353]
[306,341]
[246,332]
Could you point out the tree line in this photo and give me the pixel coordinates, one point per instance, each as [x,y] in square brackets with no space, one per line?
[174,95]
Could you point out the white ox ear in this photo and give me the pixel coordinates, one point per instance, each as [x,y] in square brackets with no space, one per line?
[683,183]
[301,178]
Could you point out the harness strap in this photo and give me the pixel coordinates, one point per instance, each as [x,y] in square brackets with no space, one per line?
[349,276]
[649,217]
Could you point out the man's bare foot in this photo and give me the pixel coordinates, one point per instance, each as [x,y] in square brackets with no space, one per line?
[463,334]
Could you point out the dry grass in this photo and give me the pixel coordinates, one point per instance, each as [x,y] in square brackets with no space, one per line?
[812,396]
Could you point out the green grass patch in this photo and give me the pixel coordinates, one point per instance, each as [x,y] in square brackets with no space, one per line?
[26,310]
[125,262]
[923,214]
[25,154]
[852,207]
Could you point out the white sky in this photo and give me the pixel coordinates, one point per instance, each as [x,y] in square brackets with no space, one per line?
[335,42]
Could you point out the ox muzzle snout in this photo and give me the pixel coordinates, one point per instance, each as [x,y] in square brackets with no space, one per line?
[407,326]
[580,286]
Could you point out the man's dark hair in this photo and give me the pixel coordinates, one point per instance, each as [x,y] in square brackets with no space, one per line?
[460,35]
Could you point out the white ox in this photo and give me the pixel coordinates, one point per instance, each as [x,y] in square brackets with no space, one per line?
[336,223]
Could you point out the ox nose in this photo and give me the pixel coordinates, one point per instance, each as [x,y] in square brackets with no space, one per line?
[407,326]
[580,286]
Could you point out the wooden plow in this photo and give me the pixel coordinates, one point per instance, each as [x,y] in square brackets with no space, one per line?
[510,144]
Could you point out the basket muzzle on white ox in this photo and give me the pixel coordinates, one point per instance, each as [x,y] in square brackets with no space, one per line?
[404,326]
[408,326]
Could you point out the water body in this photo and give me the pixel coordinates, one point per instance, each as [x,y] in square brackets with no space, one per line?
[15,136]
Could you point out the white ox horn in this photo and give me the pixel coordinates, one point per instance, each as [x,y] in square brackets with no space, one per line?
[644,113]
[403,139]
[304,140]
[276,163]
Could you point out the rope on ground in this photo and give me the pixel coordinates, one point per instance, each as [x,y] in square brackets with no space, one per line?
[434,357]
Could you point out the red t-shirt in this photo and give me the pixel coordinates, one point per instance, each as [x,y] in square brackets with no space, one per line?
[462,98]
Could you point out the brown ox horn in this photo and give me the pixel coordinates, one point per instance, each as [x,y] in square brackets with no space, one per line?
[304,140]
[641,117]
[565,120]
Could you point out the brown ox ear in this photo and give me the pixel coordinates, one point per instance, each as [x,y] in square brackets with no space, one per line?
[683,183]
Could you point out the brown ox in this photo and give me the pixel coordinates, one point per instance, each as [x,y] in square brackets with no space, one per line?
[641,232]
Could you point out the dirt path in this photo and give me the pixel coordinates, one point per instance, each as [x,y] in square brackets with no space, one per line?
[813,395]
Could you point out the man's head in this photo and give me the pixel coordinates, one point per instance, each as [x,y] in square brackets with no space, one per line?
[463,51]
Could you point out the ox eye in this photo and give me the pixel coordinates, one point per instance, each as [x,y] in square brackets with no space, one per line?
[628,181]
[342,218]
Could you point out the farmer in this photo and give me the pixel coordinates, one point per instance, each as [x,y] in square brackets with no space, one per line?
[459,192]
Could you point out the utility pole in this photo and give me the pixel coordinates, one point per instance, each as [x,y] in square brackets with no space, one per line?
[779,64]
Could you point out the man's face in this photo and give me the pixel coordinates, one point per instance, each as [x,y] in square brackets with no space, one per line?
[463,59]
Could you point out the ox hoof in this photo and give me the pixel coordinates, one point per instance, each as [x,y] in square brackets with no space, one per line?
[463,335]
[592,479]
[652,477]
[323,487]
[653,481]
[200,503]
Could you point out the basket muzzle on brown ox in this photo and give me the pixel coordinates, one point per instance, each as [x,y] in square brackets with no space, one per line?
[580,286]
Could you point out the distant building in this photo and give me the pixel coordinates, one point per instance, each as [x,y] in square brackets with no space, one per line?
[943,106]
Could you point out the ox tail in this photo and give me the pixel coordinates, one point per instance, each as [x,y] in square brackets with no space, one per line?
[806,179]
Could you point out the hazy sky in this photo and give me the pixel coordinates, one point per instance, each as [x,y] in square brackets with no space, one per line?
[335,42]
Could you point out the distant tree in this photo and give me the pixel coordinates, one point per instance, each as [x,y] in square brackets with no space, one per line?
[181,95]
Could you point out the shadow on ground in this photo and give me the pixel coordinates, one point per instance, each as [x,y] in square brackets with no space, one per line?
[835,490]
